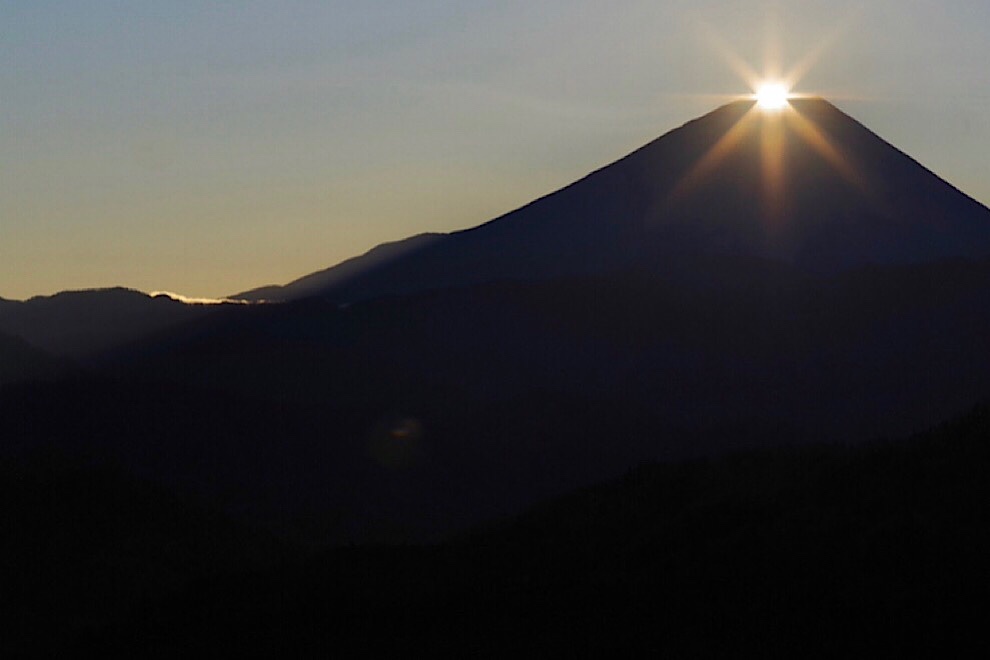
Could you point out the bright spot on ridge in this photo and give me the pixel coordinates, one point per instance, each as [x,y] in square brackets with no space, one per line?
[772,96]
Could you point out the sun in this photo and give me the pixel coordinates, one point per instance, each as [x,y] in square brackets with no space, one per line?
[772,96]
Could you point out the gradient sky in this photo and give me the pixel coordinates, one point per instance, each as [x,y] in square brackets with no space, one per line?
[210,147]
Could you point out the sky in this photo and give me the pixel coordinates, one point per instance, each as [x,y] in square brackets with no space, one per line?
[208,148]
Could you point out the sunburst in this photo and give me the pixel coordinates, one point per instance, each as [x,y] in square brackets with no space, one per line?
[776,118]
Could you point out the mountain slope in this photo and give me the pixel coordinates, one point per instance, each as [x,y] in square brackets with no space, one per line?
[21,362]
[810,186]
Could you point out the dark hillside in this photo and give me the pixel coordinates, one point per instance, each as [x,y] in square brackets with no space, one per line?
[83,544]
[83,325]
[809,552]
[19,361]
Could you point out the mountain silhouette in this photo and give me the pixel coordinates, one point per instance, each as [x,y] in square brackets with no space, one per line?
[809,186]
[84,324]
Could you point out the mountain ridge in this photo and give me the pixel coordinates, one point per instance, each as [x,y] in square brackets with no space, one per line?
[83,324]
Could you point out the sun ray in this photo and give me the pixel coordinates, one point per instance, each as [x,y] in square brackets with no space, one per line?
[773,56]
[714,156]
[773,52]
[772,164]
[817,140]
[740,66]
[796,73]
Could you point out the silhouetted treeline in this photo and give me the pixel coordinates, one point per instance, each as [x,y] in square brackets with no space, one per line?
[81,544]
[806,552]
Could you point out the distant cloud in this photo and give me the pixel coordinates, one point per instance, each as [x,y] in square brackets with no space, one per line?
[197,301]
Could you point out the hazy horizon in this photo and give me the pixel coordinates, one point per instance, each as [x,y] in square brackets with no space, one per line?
[207,150]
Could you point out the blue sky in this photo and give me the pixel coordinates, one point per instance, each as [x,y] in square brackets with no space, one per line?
[209,147]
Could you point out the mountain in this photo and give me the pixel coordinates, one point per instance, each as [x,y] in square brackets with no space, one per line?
[809,186]
[84,324]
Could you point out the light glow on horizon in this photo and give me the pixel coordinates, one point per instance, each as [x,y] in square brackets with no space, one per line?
[189,300]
